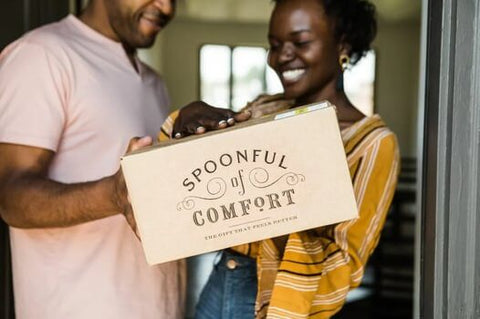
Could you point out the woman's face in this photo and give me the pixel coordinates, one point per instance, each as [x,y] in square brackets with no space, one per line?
[303,50]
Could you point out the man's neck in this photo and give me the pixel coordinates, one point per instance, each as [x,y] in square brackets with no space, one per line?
[95,16]
[131,55]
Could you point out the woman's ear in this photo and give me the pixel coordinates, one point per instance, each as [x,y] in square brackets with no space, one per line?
[344,56]
[344,49]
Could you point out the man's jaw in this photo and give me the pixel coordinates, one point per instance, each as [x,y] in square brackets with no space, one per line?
[150,21]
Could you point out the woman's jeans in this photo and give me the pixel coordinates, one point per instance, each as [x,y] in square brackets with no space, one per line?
[231,289]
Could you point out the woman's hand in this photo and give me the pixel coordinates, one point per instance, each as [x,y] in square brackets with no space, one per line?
[199,117]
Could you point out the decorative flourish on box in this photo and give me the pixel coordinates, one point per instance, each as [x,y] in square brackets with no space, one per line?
[260,178]
[216,188]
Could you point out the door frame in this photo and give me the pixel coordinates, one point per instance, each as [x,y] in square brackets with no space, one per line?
[448,273]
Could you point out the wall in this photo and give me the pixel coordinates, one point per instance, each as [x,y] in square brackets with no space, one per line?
[398,54]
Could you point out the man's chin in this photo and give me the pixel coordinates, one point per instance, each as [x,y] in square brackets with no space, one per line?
[145,42]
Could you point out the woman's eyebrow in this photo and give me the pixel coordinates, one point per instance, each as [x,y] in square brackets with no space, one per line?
[300,31]
[296,32]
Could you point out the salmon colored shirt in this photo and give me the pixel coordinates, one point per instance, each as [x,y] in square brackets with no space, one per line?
[66,88]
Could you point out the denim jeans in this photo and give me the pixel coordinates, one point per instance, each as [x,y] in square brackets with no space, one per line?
[231,289]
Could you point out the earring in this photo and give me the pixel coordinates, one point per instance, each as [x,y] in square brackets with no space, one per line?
[344,61]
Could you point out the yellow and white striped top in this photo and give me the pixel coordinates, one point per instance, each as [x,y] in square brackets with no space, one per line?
[320,266]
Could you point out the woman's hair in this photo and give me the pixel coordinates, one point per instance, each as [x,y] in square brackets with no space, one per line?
[355,24]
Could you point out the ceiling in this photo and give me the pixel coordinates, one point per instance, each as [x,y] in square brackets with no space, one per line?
[258,11]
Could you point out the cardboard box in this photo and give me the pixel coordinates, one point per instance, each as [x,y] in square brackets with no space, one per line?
[256,180]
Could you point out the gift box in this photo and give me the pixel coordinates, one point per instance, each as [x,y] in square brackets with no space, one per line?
[259,179]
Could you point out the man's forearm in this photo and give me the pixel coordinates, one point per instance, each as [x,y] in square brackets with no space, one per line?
[33,202]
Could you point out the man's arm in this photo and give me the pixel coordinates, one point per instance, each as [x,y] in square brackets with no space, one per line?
[29,199]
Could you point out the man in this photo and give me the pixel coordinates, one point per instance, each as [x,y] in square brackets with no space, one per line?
[72,95]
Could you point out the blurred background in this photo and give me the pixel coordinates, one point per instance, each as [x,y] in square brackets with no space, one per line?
[230,38]
[216,50]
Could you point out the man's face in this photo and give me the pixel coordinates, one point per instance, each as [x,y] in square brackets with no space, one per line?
[137,22]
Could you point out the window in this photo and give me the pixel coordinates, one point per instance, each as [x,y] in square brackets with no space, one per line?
[232,76]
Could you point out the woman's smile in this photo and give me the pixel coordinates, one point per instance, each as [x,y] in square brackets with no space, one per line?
[291,76]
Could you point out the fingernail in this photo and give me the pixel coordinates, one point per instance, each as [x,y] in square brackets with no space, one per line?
[200,130]
[222,123]
[231,121]
[178,135]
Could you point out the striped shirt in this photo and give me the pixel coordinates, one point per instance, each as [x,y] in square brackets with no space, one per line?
[318,268]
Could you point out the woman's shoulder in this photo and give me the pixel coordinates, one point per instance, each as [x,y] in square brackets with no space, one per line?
[369,132]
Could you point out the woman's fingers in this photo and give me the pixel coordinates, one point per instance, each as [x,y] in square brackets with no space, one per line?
[243,116]
[199,117]
[137,143]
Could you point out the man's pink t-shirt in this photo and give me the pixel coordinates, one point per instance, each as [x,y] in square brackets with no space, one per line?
[66,88]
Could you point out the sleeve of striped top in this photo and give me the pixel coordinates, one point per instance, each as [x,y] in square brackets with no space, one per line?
[167,127]
[319,267]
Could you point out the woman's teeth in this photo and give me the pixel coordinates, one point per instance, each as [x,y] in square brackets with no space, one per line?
[292,75]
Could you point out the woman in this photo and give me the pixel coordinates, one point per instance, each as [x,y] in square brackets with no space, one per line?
[309,274]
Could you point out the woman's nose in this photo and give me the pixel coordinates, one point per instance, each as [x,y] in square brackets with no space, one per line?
[287,53]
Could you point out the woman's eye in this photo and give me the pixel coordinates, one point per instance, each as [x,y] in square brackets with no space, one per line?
[302,43]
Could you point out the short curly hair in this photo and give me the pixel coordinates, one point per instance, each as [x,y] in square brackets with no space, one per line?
[355,24]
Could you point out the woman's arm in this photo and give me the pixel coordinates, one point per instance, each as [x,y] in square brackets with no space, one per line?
[320,270]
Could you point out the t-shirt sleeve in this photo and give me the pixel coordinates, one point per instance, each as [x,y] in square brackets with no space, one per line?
[32,96]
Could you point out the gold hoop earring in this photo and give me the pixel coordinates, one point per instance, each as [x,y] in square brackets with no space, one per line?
[344,61]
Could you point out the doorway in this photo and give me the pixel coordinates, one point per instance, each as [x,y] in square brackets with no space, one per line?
[447,274]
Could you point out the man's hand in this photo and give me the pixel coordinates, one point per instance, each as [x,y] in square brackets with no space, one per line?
[120,188]
[199,117]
